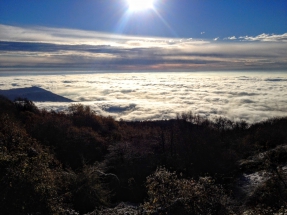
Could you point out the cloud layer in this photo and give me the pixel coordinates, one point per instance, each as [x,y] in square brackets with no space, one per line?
[41,48]
[148,96]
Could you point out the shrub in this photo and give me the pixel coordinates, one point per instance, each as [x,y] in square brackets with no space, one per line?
[170,195]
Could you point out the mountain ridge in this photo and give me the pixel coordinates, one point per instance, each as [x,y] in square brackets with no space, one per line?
[33,93]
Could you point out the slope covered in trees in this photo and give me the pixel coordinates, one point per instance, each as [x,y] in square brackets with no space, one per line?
[78,161]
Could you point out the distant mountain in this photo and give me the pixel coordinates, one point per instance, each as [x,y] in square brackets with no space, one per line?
[35,94]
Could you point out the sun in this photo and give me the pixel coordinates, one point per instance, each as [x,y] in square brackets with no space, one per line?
[139,5]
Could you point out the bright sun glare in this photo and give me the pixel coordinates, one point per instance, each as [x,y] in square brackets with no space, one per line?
[138,5]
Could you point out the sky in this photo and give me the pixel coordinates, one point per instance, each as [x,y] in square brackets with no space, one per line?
[223,57]
[170,35]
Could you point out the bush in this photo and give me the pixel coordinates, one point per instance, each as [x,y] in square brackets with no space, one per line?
[170,195]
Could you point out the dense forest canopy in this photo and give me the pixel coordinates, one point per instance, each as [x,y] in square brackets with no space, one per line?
[78,162]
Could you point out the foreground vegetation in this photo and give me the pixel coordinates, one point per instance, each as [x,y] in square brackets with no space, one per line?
[78,161]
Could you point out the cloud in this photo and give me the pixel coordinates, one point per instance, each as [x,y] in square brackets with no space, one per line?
[42,48]
[266,38]
[119,109]
[231,38]
[276,79]
[151,96]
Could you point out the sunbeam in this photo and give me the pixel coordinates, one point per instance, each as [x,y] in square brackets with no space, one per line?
[165,23]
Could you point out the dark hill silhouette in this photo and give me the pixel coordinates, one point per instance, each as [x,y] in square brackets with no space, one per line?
[35,94]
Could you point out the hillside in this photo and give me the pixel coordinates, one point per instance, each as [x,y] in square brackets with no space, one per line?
[78,162]
[35,94]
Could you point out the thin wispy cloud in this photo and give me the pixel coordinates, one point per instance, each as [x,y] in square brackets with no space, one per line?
[231,38]
[261,38]
[42,48]
[266,38]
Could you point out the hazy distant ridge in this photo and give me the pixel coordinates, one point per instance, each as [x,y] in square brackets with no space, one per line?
[35,94]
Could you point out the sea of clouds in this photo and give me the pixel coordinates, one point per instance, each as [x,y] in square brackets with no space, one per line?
[246,96]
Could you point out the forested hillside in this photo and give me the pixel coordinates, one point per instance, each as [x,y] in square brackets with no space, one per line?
[79,162]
